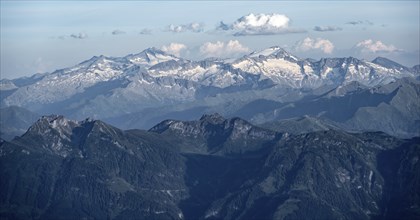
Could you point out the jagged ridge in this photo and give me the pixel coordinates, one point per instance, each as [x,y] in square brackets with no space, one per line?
[138,174]
[155,78]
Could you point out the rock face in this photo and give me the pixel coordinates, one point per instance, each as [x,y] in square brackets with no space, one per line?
[213,168]
[66,169]
[216,135]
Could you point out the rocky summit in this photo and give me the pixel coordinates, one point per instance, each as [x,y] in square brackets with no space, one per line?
[211,168]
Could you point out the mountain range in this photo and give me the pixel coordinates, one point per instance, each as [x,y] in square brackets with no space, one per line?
[211,168]
[119,138]
[140,90]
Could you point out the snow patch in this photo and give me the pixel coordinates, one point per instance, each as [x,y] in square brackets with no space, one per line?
[211,214]
[116,143]
[370,178]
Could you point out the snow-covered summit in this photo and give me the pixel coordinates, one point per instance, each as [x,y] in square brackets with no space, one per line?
[387,63]
[274,51]
[153,78]
[150,57]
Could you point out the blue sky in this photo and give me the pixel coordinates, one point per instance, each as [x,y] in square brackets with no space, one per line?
[44,36]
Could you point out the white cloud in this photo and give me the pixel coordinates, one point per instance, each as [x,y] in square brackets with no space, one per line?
[117,32]
[81,35]
[262,20]
[375,46]
[194,27]
[260,24]
[234,46]
[174,48]
[311,44]
[327,28]
[222,49]
[176,28]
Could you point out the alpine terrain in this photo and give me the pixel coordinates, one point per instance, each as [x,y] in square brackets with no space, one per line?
[146,88]
[266,136]
[213,168]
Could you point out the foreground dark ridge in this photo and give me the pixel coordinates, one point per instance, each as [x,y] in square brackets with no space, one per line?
[212,168]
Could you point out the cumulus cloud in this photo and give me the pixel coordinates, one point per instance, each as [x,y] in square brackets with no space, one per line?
[313,44]
[194,27]
[174,48]
[81,35]
[327,28]
[260,24]
[375,46]
[117,32]
[262,20]
[176,28]
[222,49]
[146,31]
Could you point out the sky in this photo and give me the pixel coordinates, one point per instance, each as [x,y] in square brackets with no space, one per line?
[43,36]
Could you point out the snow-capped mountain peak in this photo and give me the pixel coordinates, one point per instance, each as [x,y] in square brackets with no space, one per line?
[150,57]
[274,51]
[389,63]
[93,59]
[275,64]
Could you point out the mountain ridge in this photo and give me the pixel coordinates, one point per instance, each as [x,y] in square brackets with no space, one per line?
[155,62]
[220,135]
[112,173]
[152,82]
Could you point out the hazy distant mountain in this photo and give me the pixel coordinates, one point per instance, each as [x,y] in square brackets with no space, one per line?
[416,69]
[300,125]
[14,121]
[213,168]
[393,108]
[6,85]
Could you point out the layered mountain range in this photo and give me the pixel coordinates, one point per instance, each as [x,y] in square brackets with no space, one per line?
[336,138]
[211,168]
[140,90]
